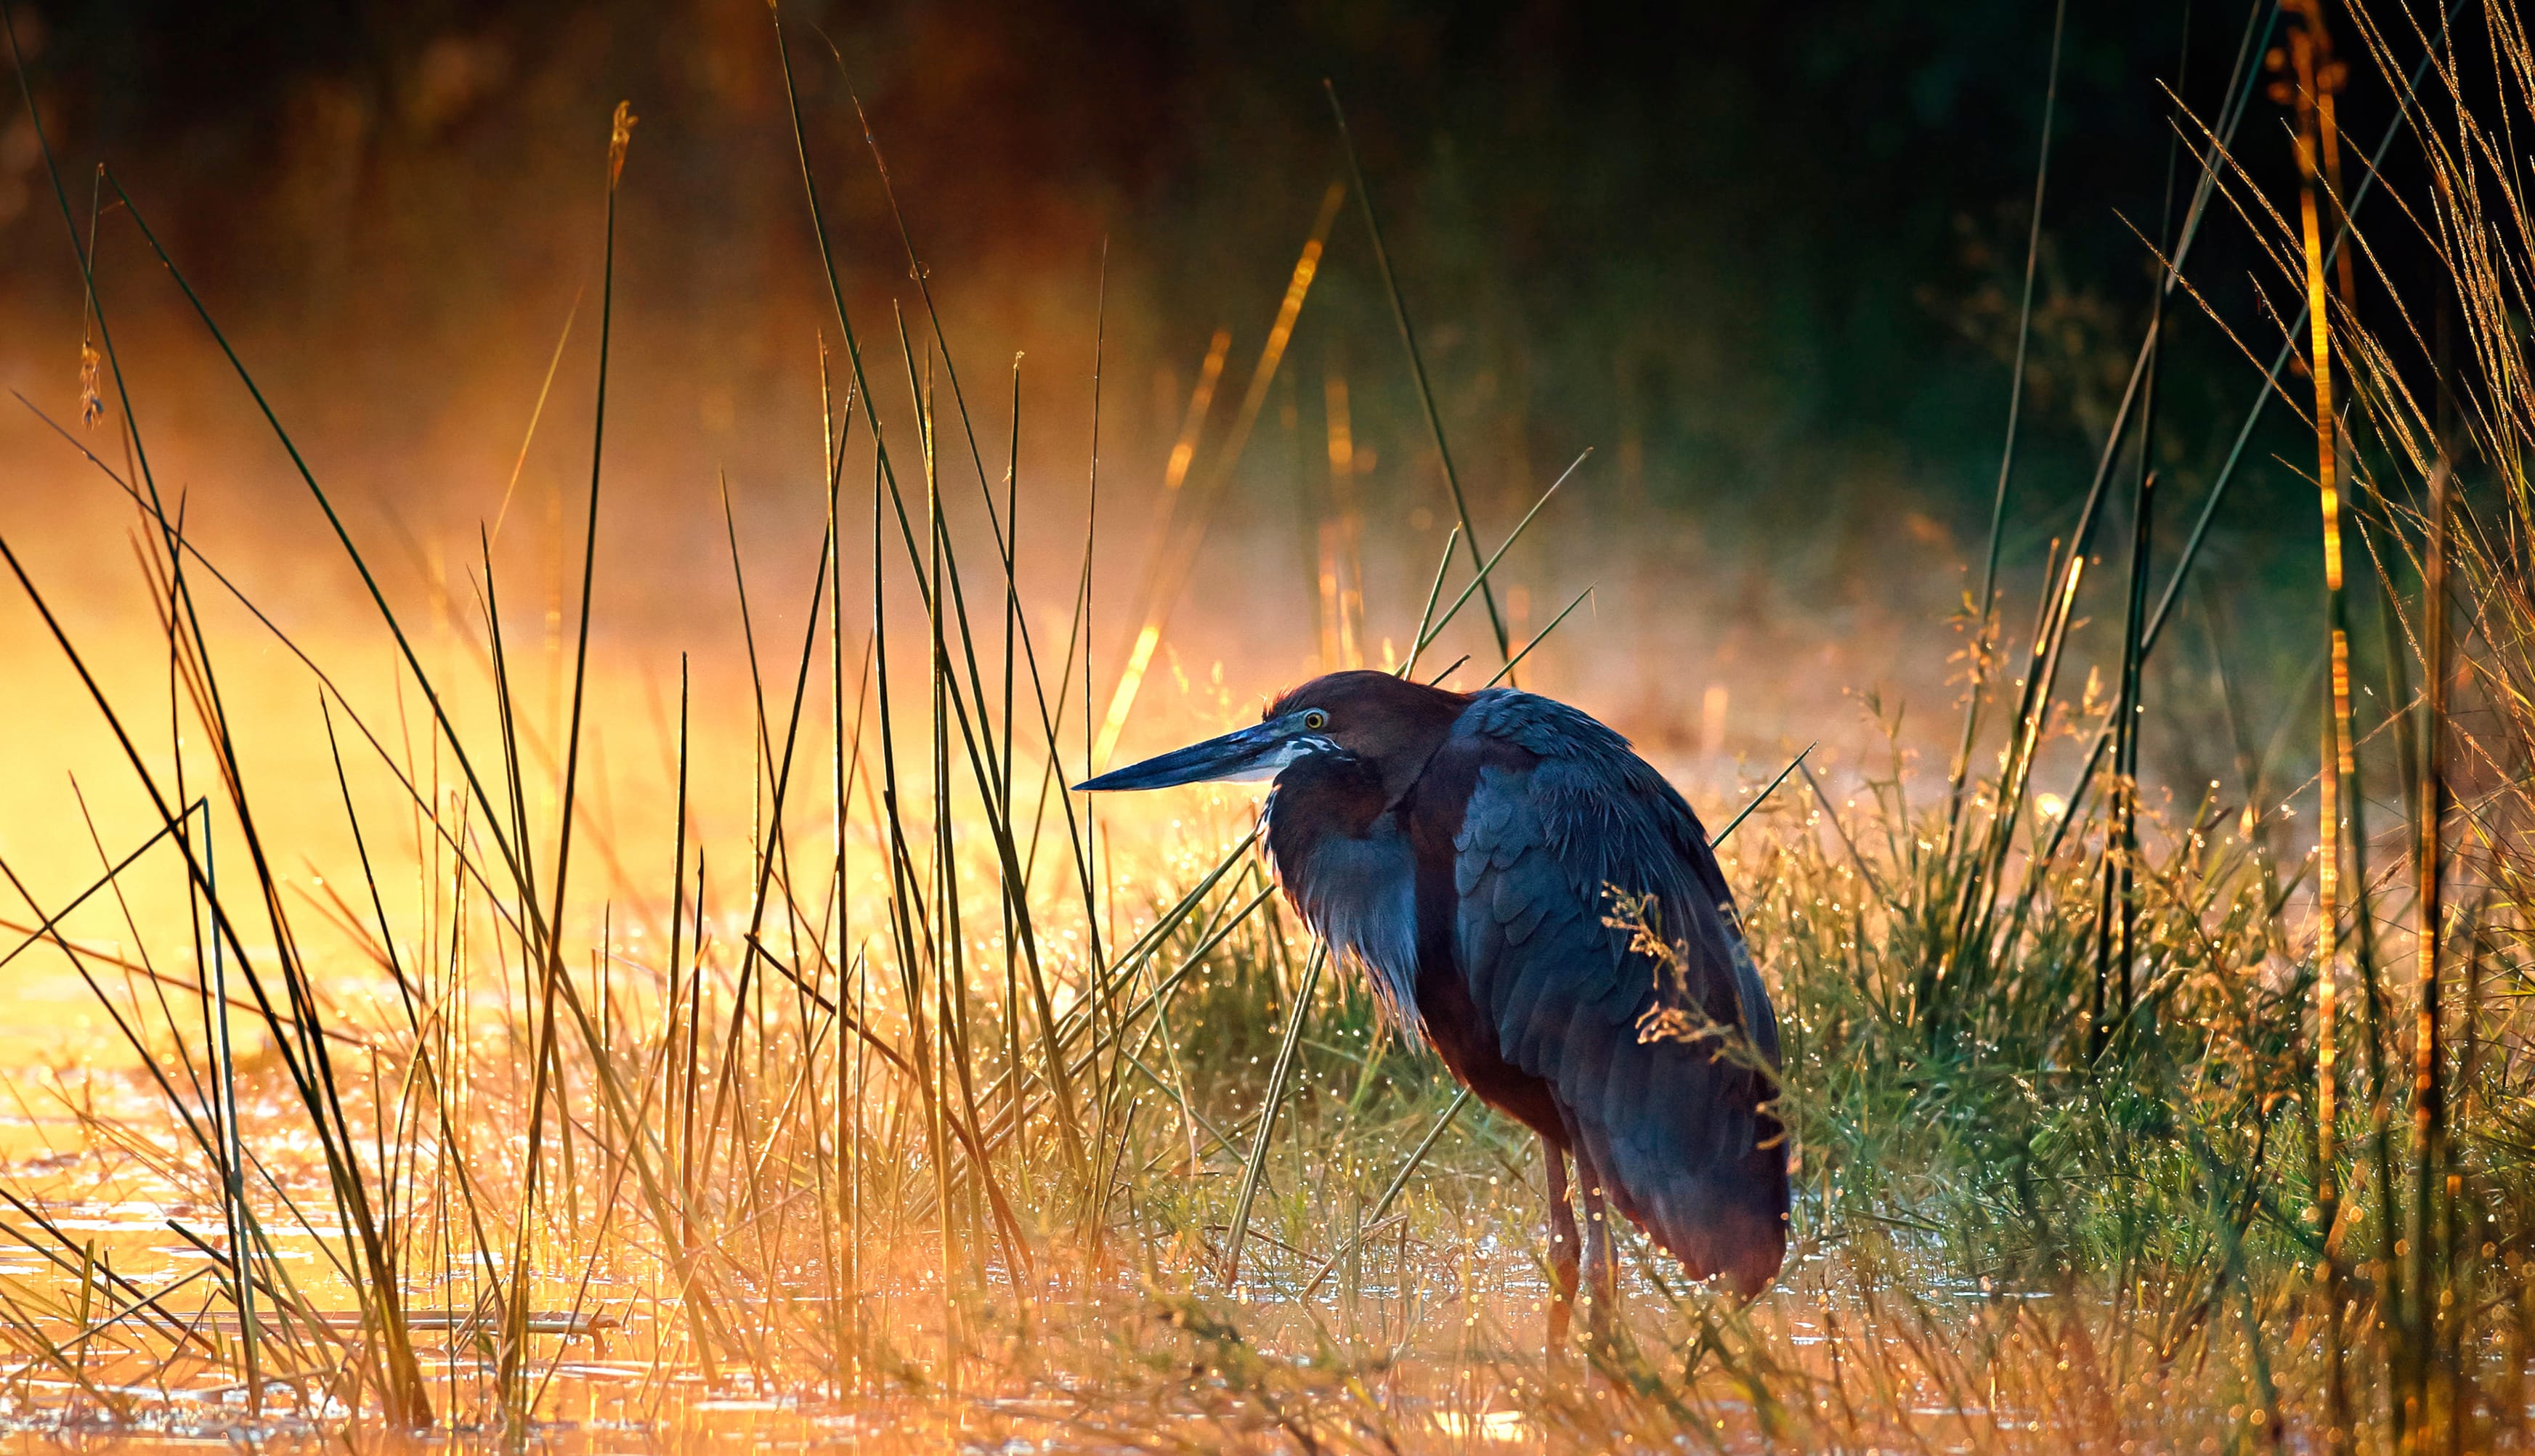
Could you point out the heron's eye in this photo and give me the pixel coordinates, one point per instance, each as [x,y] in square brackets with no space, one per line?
[1316,721]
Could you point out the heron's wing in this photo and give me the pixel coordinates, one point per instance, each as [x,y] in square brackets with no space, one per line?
[1559,810]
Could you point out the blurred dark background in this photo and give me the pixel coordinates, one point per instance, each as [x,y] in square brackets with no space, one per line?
[1764,259]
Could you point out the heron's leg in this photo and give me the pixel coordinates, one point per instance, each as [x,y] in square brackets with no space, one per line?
[1601,1260]
[1561,1247]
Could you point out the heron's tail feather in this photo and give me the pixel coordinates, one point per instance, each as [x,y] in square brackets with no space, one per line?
[1723,1218]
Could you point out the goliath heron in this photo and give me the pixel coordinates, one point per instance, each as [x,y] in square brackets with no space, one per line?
[1465,848]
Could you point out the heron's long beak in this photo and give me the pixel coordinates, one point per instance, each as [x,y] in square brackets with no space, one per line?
[1247,754]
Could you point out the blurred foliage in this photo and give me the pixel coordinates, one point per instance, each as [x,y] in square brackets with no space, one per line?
[1747,248]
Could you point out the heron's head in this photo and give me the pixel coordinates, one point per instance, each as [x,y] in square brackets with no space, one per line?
[1388,724]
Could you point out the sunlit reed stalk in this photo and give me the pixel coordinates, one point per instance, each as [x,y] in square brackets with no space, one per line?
[1416,366]
[901,921]
[839,1230]
[942,952]
[1970,935]
[2116,928]
[231,1161]
[1016,899]
[515,1343]
[1430,625]
[2337,764]
[2433,1255]
[1987,607]
[1434,593]
[1538,638]
[671,974]
[216,1008]
[2415,1280]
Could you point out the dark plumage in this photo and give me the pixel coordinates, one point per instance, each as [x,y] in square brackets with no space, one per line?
[1465,847]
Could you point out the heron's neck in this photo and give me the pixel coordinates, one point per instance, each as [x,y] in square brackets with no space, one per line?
[1323,796]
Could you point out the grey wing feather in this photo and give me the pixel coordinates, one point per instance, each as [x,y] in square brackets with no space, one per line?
[1680,1128]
